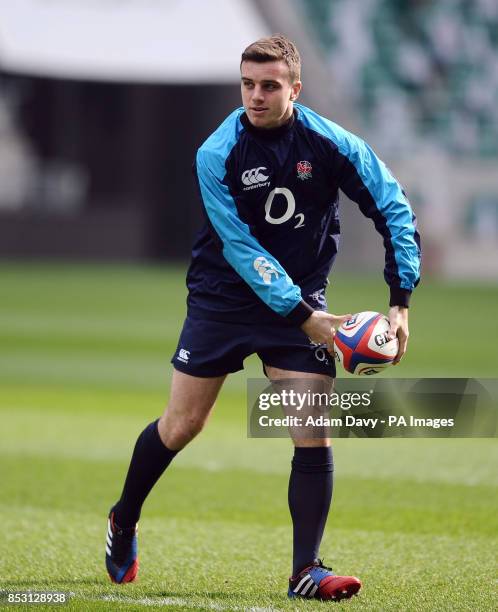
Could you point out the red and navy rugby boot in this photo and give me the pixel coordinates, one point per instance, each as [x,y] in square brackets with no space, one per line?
[121,551]
[319,582]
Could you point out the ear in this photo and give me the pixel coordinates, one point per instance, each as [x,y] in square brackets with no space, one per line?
[295,90]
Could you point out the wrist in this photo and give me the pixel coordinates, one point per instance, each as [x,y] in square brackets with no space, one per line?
[300,313]
[399,297]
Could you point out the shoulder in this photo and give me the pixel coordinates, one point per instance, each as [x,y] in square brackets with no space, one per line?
[336,134]
[216,148]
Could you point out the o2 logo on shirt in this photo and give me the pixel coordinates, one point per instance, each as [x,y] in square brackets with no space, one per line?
[289,211]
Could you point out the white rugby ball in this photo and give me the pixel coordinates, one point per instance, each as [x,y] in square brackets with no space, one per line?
[362,346]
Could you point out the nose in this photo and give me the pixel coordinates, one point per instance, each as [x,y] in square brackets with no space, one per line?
[257,94]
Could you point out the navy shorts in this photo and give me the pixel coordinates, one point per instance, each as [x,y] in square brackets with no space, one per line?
[211,348]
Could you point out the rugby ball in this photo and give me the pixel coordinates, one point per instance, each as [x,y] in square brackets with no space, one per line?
[362,346]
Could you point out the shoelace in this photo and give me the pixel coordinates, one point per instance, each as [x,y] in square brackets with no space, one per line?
[319,563]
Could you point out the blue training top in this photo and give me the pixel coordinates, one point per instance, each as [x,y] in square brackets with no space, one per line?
[272,226]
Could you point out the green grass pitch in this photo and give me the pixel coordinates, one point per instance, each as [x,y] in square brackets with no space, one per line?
[84,366]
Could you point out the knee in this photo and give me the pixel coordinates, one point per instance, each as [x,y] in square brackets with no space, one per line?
[177,433]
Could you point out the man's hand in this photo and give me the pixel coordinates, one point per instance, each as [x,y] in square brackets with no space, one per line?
[398,319]
[320,327]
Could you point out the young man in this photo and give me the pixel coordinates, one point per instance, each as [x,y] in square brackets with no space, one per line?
[268,180]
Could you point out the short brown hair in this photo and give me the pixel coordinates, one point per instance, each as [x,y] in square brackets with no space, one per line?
[274,48]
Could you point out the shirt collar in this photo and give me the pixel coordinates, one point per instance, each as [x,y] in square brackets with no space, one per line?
[268,133]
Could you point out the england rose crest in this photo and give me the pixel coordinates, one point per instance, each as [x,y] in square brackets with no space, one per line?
[303,170]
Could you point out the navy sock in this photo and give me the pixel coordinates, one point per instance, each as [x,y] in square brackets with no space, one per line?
[149,460]
[310,493]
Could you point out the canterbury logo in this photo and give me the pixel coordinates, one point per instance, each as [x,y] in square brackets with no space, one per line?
[265,269]
[183,355]
[253,176]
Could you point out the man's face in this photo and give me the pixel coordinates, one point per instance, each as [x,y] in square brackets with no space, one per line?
[267,93]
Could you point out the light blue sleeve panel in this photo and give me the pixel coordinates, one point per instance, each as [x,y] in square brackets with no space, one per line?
[383,191]
[254,264]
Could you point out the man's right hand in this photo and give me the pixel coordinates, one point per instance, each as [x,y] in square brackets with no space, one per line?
[320,327]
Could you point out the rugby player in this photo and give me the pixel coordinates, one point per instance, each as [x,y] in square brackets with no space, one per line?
[268,180]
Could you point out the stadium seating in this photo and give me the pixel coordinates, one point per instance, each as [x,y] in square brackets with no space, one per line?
[428,71]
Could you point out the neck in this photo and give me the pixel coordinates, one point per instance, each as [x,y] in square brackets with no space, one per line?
[287,116]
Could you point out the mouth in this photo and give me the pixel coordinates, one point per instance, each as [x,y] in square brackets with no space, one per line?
[257,110]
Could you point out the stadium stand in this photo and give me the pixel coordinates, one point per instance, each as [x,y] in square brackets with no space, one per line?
[416,71]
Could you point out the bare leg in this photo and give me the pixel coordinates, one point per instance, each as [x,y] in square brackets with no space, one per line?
[306,380]
[191,401]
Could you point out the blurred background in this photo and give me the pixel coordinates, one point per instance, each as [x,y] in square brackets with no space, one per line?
[103,105]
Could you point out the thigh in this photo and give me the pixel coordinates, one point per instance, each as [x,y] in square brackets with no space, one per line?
[303,383]
[193,395]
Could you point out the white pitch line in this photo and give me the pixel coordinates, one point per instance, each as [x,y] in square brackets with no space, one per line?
[176,601]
